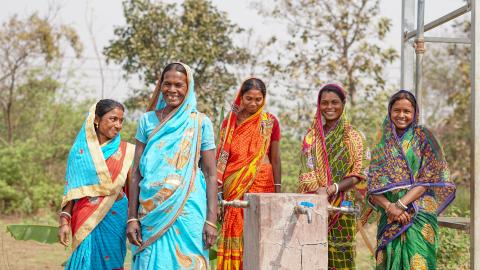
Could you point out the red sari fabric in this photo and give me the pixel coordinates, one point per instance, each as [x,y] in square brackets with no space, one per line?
[86,206]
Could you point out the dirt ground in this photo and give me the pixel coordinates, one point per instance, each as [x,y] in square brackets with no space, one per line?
[26,255]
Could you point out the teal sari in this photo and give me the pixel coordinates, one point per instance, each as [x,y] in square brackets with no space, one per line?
[95,177]
[400,162]
[172,200]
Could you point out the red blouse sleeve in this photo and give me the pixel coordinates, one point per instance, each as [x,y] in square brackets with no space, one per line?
[275,130]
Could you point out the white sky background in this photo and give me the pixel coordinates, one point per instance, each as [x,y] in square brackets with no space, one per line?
[106,14]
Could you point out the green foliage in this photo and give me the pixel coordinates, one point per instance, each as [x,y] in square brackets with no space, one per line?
[40,233]
[290,151]
[194,32]
[32,166]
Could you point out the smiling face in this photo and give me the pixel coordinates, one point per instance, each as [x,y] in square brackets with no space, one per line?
[252,100]
[110,124]
[402,114]
[174,88]
[331,106]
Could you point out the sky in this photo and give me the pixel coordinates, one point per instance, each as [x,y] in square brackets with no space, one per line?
[104,15]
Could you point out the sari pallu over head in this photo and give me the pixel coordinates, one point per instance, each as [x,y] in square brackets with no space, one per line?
[405,161]
[169,164]
[95,170]
[348,157]
[237,164]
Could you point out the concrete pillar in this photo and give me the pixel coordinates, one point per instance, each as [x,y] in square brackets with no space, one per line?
[275,237]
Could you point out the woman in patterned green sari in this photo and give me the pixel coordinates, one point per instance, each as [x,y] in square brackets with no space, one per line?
[408,182]
[334,159]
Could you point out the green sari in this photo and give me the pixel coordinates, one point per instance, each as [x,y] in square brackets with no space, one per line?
[398,164]
[327,158]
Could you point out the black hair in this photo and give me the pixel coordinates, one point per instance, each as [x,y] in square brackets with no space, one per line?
[173,66]
[253,83]
[333,89]
[402,94]
[106,105]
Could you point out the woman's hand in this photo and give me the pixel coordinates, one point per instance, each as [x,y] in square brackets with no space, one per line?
[393,212]
[134,233]
[209,235]
[330,190]
[404,218]
[64,232]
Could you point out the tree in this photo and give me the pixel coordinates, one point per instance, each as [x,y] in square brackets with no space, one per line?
[332,40]
[195,33]
[25,43]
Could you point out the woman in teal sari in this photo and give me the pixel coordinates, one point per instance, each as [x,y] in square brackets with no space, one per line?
[173,206]
[94,206]
[408,182]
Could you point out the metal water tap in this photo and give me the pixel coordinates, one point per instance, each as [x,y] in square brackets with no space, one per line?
[305,208]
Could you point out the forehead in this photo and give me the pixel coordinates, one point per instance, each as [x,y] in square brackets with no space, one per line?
[253,93]
[402,104]
[329,95]
[174,75]
[115,112]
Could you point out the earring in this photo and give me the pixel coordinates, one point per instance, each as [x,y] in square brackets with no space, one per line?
[96,125]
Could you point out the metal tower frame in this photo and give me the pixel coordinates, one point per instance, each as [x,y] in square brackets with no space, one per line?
[412,51]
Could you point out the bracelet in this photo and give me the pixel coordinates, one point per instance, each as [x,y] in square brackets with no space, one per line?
[61,225]
[336,188]
[63,213]
[211,224]
[132,219]
[277,184]
[401,205]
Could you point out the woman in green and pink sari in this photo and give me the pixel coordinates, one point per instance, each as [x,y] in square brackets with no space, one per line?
[335,160]
[409,184]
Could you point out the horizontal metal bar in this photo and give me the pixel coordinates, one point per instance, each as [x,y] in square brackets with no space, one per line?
[448,40]
[450,16]
[235,203]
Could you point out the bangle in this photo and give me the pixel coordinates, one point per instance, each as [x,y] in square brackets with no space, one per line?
[277,184]
[401,205]
[63,213]
[132,219]
[61,225]
[336,188]
[211,224]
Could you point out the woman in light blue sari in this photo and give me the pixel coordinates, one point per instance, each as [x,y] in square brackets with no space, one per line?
[173,206]
[94,206]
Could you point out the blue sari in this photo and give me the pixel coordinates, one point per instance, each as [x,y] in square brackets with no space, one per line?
[95,176]
[172,200]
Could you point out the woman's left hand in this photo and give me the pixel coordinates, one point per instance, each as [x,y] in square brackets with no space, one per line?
[209,235]
[404,218]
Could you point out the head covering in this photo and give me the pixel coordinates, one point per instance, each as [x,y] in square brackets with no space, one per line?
[87,174]
[254,134]
[329,157]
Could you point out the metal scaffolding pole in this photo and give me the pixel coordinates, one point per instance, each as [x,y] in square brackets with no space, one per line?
[419,51]
[475,152]
[407,52]
[407,81]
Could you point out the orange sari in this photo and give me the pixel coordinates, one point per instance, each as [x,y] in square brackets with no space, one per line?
[242,166]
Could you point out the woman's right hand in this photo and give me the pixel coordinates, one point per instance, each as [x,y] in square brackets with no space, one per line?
[64,234]
[393,212]
[134,233]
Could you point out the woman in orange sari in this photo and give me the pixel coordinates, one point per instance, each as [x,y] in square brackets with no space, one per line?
[248,161]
